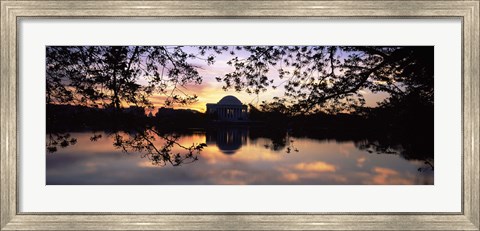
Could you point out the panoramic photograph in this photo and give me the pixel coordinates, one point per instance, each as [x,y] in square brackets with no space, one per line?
[239,115]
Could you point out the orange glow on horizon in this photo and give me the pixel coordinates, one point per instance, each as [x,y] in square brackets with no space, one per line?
[212,92]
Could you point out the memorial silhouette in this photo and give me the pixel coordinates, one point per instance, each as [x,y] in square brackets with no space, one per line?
[229,108]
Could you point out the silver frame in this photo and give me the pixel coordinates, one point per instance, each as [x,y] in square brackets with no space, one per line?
[468,219]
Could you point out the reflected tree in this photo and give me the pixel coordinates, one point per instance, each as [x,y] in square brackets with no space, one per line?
[63,140]
[59,140]
[278,139]
[406,149]
[282,142]
[145,142]
[159,148]
[95,137]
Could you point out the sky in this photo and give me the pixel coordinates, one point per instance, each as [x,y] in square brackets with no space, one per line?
[210,90]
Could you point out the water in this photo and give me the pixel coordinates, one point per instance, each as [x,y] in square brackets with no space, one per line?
[235,156]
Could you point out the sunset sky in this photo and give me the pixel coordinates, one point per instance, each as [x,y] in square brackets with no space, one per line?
[210,91]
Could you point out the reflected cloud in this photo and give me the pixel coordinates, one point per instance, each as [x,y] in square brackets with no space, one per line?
[301,176]
[384,171]
[318,166]
[361,161]
[146,164]
[390,176]
[290,177]
[233,156]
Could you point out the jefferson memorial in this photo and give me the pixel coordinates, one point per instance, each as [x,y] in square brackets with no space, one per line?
[229,108]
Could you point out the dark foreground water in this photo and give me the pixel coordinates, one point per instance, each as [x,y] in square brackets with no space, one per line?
[232,156]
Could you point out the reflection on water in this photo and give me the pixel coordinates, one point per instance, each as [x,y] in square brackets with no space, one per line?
[233,155]
[228,139]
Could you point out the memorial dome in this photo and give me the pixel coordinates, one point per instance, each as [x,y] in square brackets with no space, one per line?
[229,100]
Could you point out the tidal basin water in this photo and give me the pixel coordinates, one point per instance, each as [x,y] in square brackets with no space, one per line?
[235,156]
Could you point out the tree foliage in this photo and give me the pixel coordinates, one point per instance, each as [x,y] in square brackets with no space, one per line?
[330,78]
[315,78]
[116,76]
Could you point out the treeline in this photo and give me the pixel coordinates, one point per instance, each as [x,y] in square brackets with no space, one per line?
[77,118]
[374,129]
[405,118]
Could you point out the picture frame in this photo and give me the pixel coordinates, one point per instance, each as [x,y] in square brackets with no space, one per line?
[12,219]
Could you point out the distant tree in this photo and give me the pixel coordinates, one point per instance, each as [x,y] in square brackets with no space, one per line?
[330,78]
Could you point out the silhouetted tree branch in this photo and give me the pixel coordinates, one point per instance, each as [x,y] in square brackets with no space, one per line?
[330,79]
[116,76]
